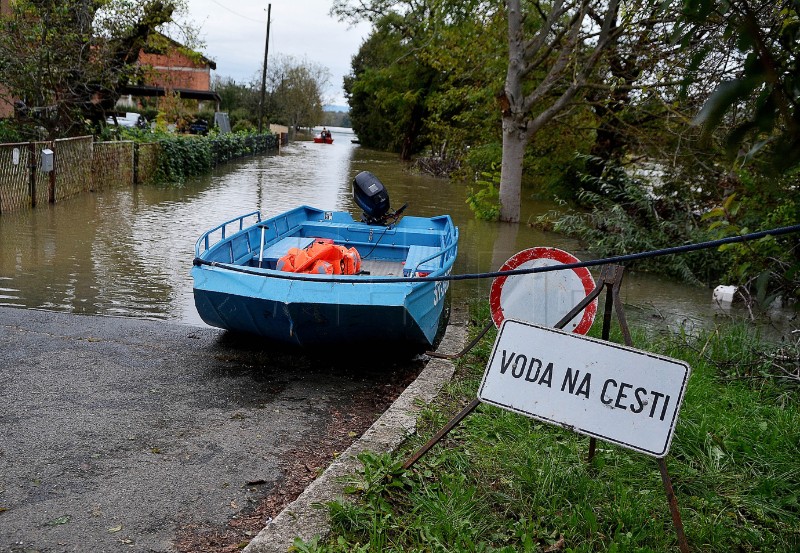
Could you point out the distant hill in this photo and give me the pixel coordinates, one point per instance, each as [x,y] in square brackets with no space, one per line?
[336,108]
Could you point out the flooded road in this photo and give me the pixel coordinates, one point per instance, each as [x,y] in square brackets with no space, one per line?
[121,432]
[128,252]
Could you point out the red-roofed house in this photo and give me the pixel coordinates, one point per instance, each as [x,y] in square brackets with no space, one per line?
[174,69]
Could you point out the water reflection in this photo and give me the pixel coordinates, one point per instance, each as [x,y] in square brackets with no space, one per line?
[128,252]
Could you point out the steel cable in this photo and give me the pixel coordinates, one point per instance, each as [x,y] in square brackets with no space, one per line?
[493,274]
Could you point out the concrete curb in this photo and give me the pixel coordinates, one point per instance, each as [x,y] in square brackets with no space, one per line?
[307,516]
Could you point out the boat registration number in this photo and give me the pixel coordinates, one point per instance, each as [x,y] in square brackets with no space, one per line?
[440,289]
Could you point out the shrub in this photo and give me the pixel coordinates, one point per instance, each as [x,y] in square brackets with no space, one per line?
[768,268]
[8,132]
[628,215]
[484,197]
[181,157]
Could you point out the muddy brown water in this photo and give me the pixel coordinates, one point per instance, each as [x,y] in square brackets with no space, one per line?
[128,252]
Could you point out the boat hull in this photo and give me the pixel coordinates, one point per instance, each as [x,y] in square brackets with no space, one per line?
[311,310]
[314,324]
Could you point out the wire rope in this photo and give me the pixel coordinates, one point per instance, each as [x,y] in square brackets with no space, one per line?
[686,248]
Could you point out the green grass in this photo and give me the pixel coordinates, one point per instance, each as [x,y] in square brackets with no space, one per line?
[502,482]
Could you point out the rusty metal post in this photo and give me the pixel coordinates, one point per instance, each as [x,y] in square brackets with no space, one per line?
[466,349]
[607,313]
[452,423]
[51,186]
[673,506]
[611,277]
[623,322]
[32,174]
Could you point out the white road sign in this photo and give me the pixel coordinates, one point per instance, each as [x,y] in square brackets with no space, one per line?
[612,392]
[543,298]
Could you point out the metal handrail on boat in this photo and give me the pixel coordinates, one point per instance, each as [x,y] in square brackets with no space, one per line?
[437,254]
[204,243]
[204,238]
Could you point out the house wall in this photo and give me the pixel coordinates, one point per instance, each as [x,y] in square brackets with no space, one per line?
[176,70]
[6,107]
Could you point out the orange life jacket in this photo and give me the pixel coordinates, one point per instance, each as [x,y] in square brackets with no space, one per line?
[321,257]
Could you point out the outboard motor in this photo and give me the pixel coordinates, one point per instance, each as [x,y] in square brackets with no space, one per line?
[371,196]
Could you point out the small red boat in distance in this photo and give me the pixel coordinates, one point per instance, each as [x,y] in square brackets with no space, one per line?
[324,137]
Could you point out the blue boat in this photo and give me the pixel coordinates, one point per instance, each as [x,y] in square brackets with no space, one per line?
[238,286]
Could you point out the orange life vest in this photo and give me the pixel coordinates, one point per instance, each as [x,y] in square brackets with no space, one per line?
[321,257]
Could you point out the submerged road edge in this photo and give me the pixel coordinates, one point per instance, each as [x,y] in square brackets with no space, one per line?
[307,516]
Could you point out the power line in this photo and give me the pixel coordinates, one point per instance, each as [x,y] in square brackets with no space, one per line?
[235,13]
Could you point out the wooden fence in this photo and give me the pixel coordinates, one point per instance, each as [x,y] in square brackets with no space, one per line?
[78,165]
[81,165]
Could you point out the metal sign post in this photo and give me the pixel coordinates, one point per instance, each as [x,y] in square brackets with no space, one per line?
[672,378]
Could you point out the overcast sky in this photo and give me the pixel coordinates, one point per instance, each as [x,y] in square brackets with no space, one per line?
[235,30]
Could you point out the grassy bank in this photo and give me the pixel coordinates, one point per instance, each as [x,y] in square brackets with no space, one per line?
[504,482]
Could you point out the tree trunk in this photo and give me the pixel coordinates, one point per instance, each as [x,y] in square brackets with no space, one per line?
[515,140]
[563,49]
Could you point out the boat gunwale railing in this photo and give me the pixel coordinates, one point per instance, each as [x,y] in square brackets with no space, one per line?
[345,279]
[442,273]
[204,238]
[444,251]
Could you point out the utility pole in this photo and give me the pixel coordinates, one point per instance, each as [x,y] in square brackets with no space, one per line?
[261,103]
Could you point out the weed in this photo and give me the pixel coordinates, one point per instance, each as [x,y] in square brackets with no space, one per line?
[501,482]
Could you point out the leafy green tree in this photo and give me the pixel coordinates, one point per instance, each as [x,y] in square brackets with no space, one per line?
[336,119]
[425,75]
[294,94]
[64,60]
[239,100]
[751,109]
[553,53]
[384,92]
[757,102]
[468,53]
[388,88]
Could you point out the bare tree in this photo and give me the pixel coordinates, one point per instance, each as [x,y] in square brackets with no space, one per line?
[560,55]
[297,91]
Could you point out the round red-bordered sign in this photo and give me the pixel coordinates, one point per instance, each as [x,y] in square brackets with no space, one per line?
[543,298]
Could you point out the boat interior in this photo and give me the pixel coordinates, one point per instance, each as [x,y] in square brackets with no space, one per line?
[417,247]
[376,259]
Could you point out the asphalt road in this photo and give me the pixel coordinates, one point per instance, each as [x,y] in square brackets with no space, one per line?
[116,433]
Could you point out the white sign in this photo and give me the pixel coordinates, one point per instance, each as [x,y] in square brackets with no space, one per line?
[543,298]
[605,390]
[46,162]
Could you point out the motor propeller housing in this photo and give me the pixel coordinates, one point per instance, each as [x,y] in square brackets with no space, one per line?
[372,197]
